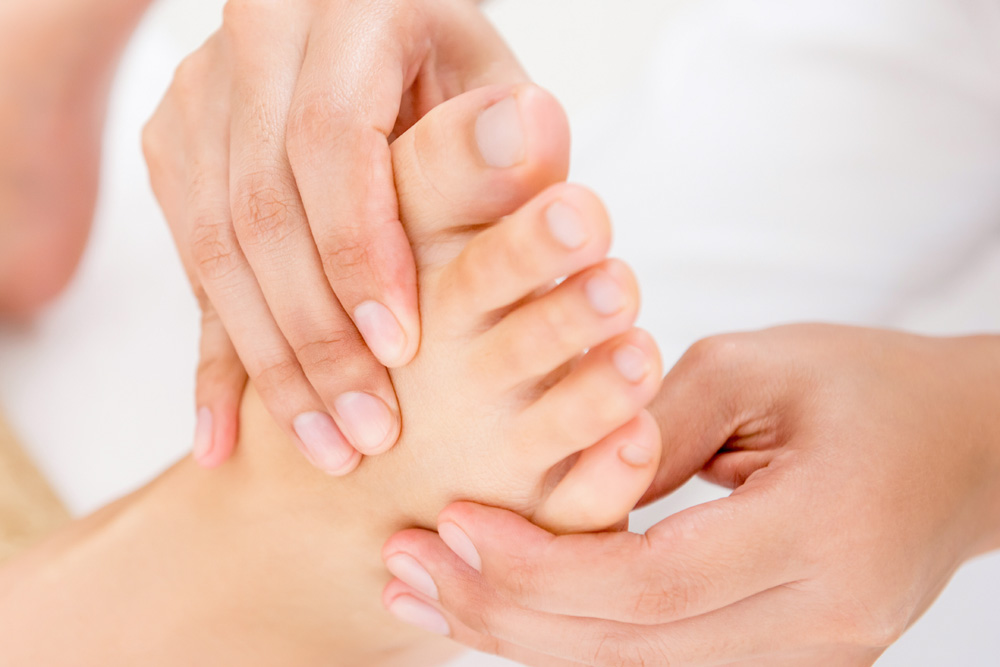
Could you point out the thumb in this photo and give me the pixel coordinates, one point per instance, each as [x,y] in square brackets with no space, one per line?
[220,382]
[722,390]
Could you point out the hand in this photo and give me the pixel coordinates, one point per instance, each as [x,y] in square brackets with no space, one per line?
[270,158]
[866,468]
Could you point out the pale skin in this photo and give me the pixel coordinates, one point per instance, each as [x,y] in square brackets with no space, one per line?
[297,102]
[222,377]
[866,469]
[267,560]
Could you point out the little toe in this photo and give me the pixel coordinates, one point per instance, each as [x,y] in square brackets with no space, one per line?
[537,338]
[560,232]
[606,481]
[478,157]
[610,386]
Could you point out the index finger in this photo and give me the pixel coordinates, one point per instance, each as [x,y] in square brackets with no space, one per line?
[346,107]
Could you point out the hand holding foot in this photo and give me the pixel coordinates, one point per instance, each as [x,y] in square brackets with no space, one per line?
[865,466]
[524,394]
[270,157]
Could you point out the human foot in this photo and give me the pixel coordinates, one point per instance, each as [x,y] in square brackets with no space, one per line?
[498,407]
[56,62]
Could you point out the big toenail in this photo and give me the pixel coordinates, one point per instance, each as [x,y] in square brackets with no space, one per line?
[631,362]
[566,226]
[500,135]
[366,419]
[460,544]
[381,331]
[324,444]
[635,455]
[604,294]
[406,568]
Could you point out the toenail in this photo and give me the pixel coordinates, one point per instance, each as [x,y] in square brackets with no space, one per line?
[406,568]
[604,294]
[634,455]
[413,612]
[631,362]
[566,225]
[202,435]
[366,419]
[500,135]
[324,444]
[459,542]
[381,331]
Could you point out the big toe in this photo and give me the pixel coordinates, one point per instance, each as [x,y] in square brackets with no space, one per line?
[479,157]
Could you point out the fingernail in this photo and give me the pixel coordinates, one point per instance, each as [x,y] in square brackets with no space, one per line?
[381,331]
[634,455]
[202,434]
[406,568]
[324,444]
[604,294]
[459,542]
[631,362]
[413,612]
[366,419]
[566,226]
[500,135]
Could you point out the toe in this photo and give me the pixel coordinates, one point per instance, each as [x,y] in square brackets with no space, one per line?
[608,388]
[537,338]
[606,481]
[560,232]
[479,157]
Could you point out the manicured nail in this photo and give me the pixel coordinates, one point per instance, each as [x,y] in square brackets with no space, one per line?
[366,419]
[566,226]
[324,444]
[413,612]
[381,331]
[459,542]
[203,435]
[604,294]
[406,568]
[500,135]
[631,362]
[635,455]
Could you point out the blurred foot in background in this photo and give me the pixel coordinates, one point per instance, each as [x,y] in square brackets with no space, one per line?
[57,60]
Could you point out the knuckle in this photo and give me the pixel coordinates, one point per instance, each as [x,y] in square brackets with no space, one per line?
[263,209]
[276,372]
[715,353]
[522,580]
[346,258]
[213,248]
[313,117]
[326,351]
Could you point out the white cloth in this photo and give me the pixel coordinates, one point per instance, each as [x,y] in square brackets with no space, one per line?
[782,160]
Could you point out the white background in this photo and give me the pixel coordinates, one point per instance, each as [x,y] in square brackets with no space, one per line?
[765,162]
